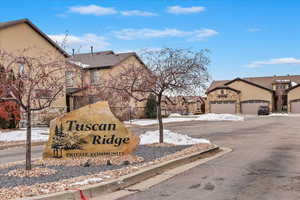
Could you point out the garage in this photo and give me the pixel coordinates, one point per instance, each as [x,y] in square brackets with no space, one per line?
[251,107]
[220,107]
[295,106]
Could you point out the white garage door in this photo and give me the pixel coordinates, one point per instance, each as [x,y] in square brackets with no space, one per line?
[220,107]
[295,107]
[251,107]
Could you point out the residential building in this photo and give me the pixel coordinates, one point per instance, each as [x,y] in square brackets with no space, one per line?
[245,95]
[93,69]
[17,36]
[183,105]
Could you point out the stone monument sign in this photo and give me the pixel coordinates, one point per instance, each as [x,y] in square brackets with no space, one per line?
[90,131]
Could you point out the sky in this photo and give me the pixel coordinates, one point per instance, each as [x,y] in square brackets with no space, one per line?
[245,38]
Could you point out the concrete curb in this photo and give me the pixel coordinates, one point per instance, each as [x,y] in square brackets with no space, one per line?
[125,181]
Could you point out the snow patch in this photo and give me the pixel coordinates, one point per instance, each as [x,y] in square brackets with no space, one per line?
[294,84]
[283,115]
[219,117]
[204,117]
[37,134]
[88,181]
[175,115]
[151,137]
[80,64]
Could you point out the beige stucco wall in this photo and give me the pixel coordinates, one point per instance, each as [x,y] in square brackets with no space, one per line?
[250,92]
[230,96]
[17,38]
[293,95]
[104,74]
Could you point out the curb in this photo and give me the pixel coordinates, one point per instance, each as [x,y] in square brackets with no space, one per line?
[124,181]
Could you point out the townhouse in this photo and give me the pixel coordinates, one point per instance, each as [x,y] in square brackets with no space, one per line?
[19,35]
[92,69]
[245,95]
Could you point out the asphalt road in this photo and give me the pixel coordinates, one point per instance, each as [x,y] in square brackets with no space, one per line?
[264,164]
[18,154]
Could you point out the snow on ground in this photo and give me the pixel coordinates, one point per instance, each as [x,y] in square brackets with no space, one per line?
[151,137]
[219,117]
[88,181]
[38,134]
[175,115]
[283,115]
[204,117]
[145,122]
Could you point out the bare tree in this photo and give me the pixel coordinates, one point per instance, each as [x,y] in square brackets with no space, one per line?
[34,83]
[166,72]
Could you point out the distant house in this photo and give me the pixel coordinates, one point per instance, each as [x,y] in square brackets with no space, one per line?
[245,95]
[183,105]
[84,81]
[18,35]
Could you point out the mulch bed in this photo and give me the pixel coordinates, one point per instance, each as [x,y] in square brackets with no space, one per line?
[56,175]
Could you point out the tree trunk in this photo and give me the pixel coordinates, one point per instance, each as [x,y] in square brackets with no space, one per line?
[160,123]
[28,139]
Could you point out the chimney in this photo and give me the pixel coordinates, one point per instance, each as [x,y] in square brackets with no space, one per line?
[92,50]
[73,52]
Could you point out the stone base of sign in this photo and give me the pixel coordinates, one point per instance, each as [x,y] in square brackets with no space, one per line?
[90,131]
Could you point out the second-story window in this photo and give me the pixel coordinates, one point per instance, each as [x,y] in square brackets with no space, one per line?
[69,79]
[94,77]
[21,68]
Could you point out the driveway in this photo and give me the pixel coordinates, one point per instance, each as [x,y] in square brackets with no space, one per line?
[264,164]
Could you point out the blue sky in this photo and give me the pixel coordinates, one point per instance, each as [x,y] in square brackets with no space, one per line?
[246,38]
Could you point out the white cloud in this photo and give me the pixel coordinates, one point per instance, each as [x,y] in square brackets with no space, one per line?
[93,10]
[132,34]
[204,33]
[81,43]
[254,30]
[185,10]
[275,61]
[99,10]
[138,13]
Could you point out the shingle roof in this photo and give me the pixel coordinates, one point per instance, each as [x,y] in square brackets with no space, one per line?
[265,82]
[27,21]
[101,59]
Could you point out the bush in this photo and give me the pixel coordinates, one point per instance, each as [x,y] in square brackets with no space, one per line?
[9,114]
[150,109]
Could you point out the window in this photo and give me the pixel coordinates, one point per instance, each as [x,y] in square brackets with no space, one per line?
[21,68]
[94,75]
[69,79]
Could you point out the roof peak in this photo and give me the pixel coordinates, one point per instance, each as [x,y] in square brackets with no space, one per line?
[35,28]
[108,52]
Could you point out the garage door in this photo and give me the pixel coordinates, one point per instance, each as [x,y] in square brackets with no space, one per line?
[295,107]
[251,107]
[222,107]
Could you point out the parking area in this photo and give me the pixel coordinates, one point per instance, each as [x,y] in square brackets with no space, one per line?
[264,163]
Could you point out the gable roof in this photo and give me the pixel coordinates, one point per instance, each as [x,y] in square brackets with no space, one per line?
[261,82]
[36,29]
[102,59]
[294,87]
[250,83]
[223,87]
